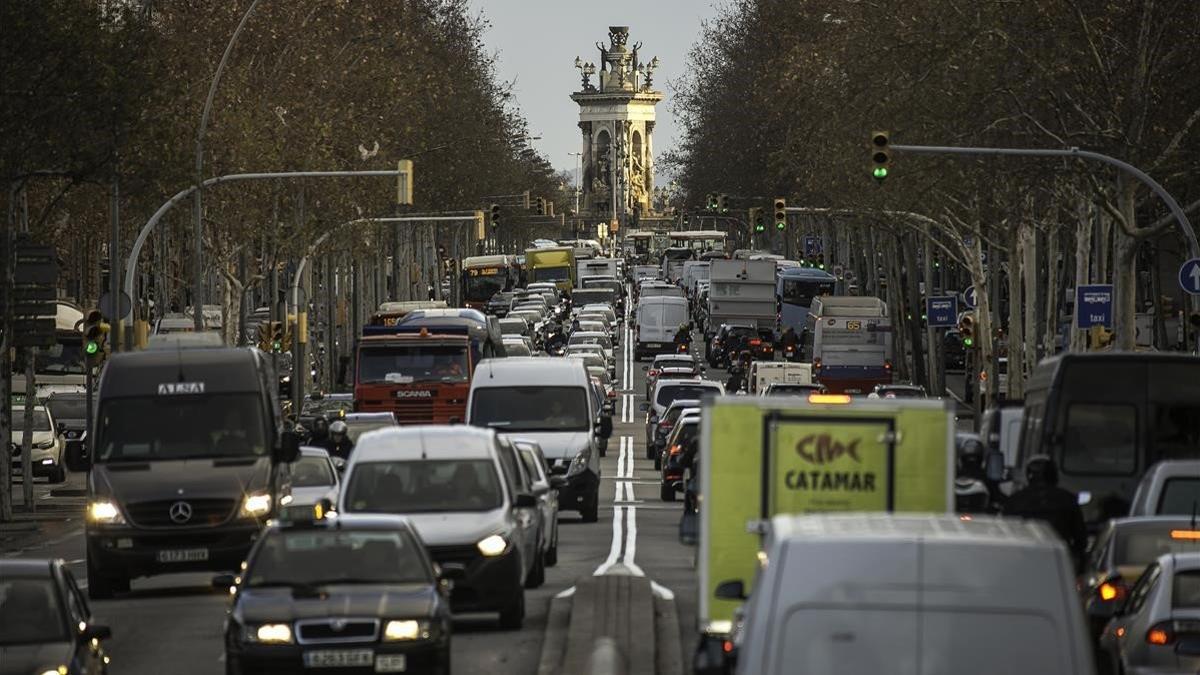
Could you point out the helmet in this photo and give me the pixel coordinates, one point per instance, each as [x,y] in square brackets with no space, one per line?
[337,430]
[1041,470]
[970,456]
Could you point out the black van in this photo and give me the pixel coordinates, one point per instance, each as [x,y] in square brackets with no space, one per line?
[1105,418]
[188,460]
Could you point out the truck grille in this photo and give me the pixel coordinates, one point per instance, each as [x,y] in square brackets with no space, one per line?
[335,630]
[202,512]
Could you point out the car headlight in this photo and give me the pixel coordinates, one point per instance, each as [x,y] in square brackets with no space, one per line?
[61,670]
[256,505]
[492,546]
[44,445]
[105,512]
[270,633]
[579,464]
[399,630]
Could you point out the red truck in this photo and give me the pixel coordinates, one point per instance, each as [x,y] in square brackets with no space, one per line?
[422,378]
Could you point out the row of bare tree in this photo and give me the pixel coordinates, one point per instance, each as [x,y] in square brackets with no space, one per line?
[782,95]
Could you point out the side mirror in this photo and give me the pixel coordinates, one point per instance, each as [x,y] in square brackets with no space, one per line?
[95,631]
[78,460]
[525,501]
[644,406]
[224,581]
[288,449]
[540,488]
[558,482]
[733,589]
[339,464]
[606,427]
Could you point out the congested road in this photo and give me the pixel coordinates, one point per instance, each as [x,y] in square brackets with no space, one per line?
[174,622]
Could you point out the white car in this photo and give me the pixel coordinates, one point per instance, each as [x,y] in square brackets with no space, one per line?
[1160,619]
[599,338]
[47,454]
[315,476]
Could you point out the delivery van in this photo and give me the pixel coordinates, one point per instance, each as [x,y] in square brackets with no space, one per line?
[986,596]
[658,318]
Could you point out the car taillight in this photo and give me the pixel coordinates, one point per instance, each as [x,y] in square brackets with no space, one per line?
[612,393]
[1111,590]
[755,343]
[816,363]
[1162,633]
[652,373]
[665,424]
[887,365]
[675,449]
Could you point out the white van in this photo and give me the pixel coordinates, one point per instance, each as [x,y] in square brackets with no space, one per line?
[550,401]
[911,595]
[765,373]
[656,321]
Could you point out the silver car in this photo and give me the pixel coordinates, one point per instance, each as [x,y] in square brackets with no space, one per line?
[1157,631]
[546,487]
[315,476]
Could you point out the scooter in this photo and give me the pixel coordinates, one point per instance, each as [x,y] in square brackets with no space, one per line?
[791,353]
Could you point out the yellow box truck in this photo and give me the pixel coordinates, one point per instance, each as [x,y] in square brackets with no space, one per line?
[553,264]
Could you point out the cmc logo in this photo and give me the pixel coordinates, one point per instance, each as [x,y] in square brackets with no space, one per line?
[414,393]
[821,449]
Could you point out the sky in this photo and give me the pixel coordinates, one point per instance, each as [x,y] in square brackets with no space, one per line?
[536,42]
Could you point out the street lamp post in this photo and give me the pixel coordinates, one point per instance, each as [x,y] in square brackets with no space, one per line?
[198,254]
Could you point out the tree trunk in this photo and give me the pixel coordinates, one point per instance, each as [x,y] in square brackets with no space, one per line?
[983,317]
[1125,271]
[1016,327]
[1027,237]
[1084,224]
[1050,336]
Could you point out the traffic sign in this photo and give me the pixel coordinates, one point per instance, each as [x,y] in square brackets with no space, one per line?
[942,312]
[1189,276]
[113,313]
[969,298]
[1094,305]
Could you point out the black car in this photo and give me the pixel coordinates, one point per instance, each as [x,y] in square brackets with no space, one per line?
[499,304]
[352,593]
[45,623]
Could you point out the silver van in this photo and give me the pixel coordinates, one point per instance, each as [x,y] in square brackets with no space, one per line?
[550,401]
[911,595]
[656,320]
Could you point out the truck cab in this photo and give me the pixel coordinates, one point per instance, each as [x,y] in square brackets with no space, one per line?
[421,378]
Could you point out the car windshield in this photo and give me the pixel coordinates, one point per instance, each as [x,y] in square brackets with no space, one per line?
[1139,544]
[326,405]
[354,429]
[211,426]
[310,471]
[318,557]
[669,393]
[406,364]
[512,409]
[67,407]
[551,274]
[41,421]
[29,612]
[578,339]
[674,363]
[424,486]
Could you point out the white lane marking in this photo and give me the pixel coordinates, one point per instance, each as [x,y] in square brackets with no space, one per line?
[631,542]
[614,551]
[659,590]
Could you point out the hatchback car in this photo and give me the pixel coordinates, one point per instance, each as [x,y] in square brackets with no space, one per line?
[45,623]
[679,365]
[1157,630]
[47,454]
[1170,487]
[656,436]
[537,467]
[315,476]
[462,489]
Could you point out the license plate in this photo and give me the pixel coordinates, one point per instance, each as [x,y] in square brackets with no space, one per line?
[183,555]
[653,344]
[339,658]
[390,663]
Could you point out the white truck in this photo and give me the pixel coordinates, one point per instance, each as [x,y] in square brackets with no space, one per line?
[595,267]
[741,292]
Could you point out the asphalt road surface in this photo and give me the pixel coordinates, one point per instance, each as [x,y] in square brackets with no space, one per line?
[173,624]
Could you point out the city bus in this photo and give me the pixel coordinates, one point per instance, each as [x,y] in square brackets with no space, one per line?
[639,244]
[485,275]
[58,368]
[849,341]
[794,290]
[699,240]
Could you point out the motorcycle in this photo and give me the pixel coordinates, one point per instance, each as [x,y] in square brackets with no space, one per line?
[791,353]
[682,348]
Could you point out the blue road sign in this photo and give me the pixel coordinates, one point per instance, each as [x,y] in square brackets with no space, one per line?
[1094,305]
[942,312]
[812,246]
[969,299]
[1189,276]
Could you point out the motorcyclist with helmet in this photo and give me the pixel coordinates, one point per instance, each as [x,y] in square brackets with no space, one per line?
[1042,499]
[557,340]
[789,342]
[339,444]
[683,337]
[973,491]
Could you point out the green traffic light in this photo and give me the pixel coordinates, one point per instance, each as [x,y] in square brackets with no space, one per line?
[881,172]
[91,347]
[968,342]
[277,346]
[781,226]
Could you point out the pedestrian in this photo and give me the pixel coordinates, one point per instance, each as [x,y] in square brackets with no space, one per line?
[1042,499]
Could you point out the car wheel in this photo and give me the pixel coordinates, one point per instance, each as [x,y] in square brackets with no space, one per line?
[657,462]
[591,509]
[650,454]
[552,555]
[666,492]
[59,474]
[99,587]
[537,576]
[445,661]
[512,616]
[603,449]
[232,666]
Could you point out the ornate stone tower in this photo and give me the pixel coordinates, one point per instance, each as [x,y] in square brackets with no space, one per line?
[617,123]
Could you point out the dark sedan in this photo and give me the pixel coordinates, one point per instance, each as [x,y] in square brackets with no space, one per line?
[352,593]
[45,623]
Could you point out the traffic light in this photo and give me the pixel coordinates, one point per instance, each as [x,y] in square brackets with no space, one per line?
[541,206]
[723,203]
[495,216]
[881,156]
[756,219]
[966,329]
[780,213]
[711,201]
[277,337]
[95,338]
